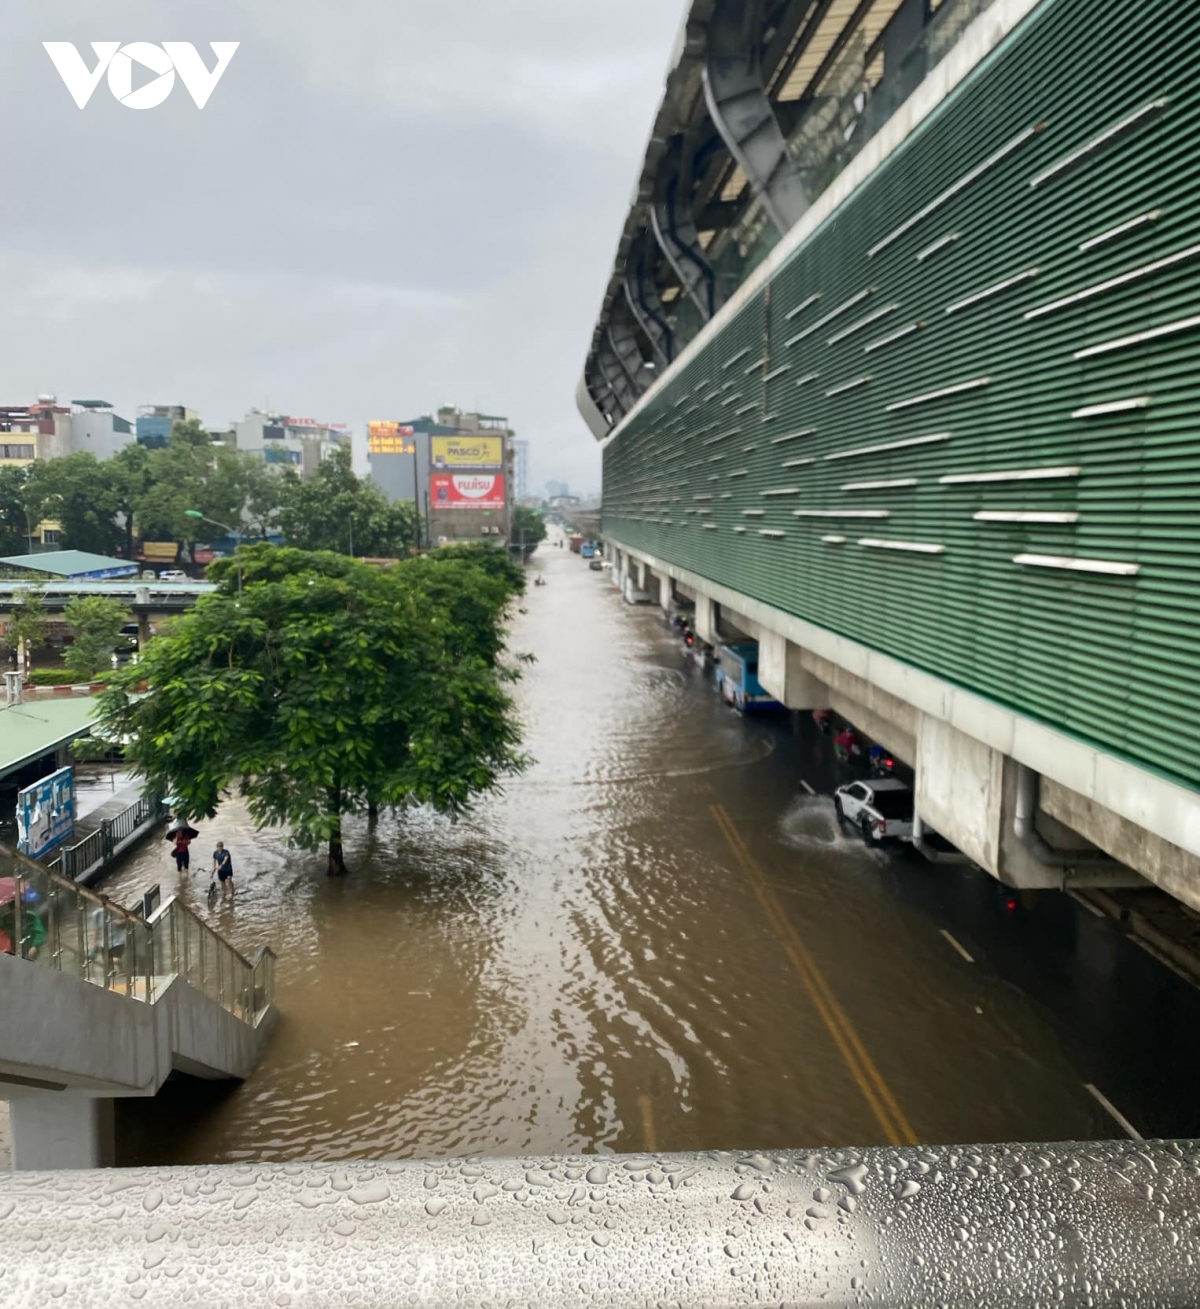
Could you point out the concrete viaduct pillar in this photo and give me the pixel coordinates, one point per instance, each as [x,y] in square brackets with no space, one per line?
[61,1129]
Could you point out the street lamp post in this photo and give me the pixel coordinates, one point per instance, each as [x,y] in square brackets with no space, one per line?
[195,513]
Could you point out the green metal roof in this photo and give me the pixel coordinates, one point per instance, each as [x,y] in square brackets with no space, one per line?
[67,563]
[36,727]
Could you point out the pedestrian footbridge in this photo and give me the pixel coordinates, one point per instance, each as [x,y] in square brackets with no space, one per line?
[102,1002]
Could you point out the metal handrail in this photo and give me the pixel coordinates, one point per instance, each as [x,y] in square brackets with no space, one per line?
[997,1226]
[119,949]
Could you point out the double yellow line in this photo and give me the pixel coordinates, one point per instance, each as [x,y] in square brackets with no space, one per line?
[875,1090]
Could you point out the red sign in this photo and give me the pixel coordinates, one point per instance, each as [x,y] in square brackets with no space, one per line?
[466,491]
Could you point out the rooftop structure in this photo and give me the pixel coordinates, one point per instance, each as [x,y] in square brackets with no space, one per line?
[71,565]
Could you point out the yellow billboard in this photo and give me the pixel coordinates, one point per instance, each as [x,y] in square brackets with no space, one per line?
[466,451]
[390,439]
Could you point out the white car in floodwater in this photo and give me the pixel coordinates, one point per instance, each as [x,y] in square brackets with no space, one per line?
[881,809]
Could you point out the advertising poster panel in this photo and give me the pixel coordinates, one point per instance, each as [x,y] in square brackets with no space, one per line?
[466,491]
[388,438]
[467,451]
[46,813]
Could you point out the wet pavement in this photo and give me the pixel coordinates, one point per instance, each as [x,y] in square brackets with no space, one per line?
[656,939]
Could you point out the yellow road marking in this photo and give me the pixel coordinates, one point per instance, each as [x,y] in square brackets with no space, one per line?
[867,1076]
[649,1139]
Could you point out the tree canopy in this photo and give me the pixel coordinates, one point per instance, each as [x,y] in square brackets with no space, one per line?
[95,622]
[337,510]
[101,505]
[325,688]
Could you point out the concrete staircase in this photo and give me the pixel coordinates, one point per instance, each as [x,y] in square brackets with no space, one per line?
[100,1002]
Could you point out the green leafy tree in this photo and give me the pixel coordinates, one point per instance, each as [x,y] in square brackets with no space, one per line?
[325,688]
[528,530]
[263,494]
[492,560]
[14,526]
[337,510]
[77,492]
[95,622]
[130,475]
[27,626]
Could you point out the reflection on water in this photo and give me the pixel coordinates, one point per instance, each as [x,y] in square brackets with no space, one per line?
[581,964]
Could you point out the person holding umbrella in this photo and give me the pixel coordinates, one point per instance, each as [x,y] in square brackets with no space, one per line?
[182,836]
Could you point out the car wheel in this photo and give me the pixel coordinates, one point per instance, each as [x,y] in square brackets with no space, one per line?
[868,834]
[837,809]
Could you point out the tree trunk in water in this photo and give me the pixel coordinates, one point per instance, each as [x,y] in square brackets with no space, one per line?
[372,812]
[337,860]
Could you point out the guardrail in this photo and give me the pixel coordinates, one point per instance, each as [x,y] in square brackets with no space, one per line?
[100,846]
[54,922]
[997,1226]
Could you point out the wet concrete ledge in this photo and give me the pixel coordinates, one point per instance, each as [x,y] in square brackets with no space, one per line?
[1001,1225]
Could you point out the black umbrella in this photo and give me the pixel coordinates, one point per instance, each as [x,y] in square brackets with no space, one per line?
[179,825]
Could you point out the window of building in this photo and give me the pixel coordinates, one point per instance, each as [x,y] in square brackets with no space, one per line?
[16,451]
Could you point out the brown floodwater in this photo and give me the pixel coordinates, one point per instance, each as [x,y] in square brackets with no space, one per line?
[654,938]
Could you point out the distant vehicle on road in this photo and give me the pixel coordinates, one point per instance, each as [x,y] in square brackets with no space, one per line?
[587,550]
[881,809]
[173,575]
[739,682]
[596,565]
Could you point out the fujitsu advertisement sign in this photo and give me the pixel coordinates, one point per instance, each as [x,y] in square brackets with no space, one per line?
[467,490]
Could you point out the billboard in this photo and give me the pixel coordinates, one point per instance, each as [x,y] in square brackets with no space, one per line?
[159,552]
[390,439]
[46,813]
[466,451]
[466,491]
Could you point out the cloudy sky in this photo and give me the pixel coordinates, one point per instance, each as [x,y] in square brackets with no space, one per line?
[385,206]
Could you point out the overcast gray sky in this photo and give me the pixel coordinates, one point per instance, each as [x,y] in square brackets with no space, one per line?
[386,205]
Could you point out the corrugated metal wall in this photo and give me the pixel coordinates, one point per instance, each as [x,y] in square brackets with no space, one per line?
[962,424]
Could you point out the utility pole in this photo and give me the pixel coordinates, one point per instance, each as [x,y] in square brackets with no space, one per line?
[416,496]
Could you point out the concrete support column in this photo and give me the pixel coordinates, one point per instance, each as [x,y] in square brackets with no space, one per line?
[666,594]
[782,674]
[708,620]
[61,1129]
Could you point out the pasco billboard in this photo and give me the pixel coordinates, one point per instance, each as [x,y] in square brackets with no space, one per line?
[466,451]
[466,491]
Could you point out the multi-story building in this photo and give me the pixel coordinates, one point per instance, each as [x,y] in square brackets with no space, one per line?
[154,423]
[456,468]
[48,430]
[283,442]
[97,429]
[520,469]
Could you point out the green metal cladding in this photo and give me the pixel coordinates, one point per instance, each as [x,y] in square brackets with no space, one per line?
[962,423]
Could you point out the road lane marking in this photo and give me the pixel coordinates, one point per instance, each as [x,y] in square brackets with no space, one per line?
[649,1137]
[969,958]
[806,786]
[896,1127]
[1118,1117]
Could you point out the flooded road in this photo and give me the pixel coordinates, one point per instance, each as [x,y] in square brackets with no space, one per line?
[655,939]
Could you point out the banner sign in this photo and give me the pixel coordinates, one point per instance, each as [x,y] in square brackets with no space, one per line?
[46,813]
[466,451]
[161,552]
[390,439]
[466,491]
